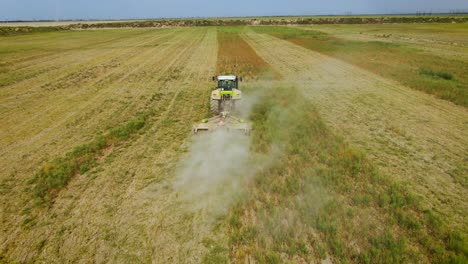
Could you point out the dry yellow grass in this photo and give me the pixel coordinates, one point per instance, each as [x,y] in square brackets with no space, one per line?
[60,90]
[149,73]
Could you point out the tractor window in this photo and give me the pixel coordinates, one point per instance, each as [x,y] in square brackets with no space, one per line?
[226,84]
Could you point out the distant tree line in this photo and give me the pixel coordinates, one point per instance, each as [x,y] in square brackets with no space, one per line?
[8,30]
[276,21]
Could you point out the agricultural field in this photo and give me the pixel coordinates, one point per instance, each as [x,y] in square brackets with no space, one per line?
[358,153]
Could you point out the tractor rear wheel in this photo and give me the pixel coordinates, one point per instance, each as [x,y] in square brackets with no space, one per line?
[214,107]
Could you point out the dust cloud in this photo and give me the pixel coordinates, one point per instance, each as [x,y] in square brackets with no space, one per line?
[219,165]
[213,174]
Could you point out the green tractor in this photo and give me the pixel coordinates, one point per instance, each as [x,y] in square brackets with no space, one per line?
[226,94]
[224,100]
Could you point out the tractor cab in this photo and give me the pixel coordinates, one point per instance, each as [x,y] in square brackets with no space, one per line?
[227,82]
[227,85]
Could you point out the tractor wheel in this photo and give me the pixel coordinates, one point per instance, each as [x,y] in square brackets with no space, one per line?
[214,107]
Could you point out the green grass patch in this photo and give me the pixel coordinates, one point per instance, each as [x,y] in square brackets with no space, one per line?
[436,74]
[217,254]
[291,32]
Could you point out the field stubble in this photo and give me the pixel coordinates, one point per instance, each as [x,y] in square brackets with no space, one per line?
[163,72]
[315,198]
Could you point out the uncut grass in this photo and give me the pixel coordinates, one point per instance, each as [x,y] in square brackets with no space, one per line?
[324,198]
[236,57]
[399,62]
[439,33]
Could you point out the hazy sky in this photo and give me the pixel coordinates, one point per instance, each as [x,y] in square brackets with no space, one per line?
[121,9]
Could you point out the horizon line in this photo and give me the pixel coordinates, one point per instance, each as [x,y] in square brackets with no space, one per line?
[457,12]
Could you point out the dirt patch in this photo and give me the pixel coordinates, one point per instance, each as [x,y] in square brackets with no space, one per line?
[235,56]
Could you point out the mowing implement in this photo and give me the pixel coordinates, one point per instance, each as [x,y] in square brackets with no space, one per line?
[224,100]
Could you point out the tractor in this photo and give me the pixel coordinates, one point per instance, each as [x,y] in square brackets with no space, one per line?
[224,100]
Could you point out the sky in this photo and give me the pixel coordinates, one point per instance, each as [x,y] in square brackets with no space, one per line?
[132,9]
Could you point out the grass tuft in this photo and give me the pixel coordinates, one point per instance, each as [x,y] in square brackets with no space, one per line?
[436,74]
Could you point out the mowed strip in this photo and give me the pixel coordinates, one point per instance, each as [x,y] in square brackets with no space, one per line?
[117,201]
[68,67]
[235,56]
[410,135]
[138,91]
[43,98]
[50,99]
[54,53]
[74,112]
[62,119]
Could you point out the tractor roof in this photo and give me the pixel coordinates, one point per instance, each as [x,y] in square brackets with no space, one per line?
[227,77]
